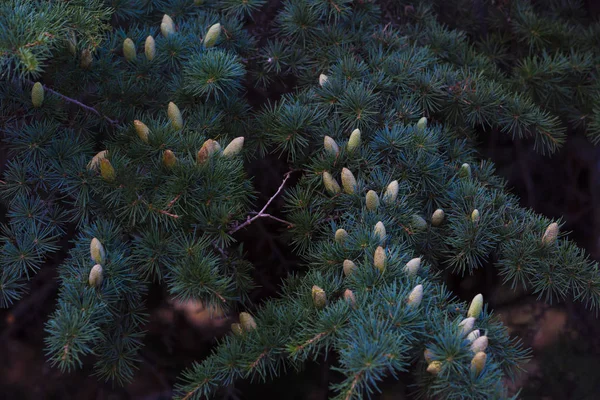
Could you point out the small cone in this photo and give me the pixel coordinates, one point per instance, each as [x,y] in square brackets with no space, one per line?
[209,148]
[471,337]
[438,217]
[479,344]
[237,329]
[434,367]
[95,161]
[169,159]
[96,276]
[175,116]
[464,171]
[212,35]
[379,231]
[380,259]
[37,94]
[331,146]
[372,200]
[330,183]
[349,297]
[234,147]
[391,193]
[150,48]
[167,27]
[247,322]
[319,297]
[416,296]
[107,171]
[466,326]
[349,267]
[475,216]
[97,251]
[354,141]
[340,236]
[323,79]
[412,267]
[348,181]
[550,235]
[129,50]
[478,363]
[142,130]
[476,306]
[422,124]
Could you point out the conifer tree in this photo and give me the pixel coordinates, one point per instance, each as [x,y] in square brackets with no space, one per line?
[128,127]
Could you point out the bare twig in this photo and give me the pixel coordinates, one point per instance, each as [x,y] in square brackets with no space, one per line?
[80,104]
[261,213]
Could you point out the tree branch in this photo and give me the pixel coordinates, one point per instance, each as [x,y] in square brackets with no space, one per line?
[261,213]
[80,104]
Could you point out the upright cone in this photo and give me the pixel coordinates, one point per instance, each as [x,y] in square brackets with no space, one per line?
[348,181]
[150,48]
[96,276]
[175,116]
[212,35]
[37,94]
[129,50]
[234,147]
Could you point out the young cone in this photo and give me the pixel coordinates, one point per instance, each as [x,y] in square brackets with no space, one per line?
[95,161]
[247,322]
[475,216]
[479,344]
[37,95]
[237,329]
[391,193]
[379,231]
[319,297]
[434,367]
[478,363]
[169,159]
[349,297]
[476,306]
[96,276]
[354,140]
[323,79]
[412,267]
[349,267]
[438,217]
[150,48]
[464,171]
[422,124]
[466,326]
[550,235]
[372,200]
[340,236]
[175,116]
[107,171]
[234,147]
[348,181]
[416,296]
[209,148]
[212,35]
[97,251]
[142,130]
[471,337]
[380,259]
[330,183]
[129,50]
[167,26]
[331,146]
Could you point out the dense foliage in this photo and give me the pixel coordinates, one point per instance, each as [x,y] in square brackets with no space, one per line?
[127,123]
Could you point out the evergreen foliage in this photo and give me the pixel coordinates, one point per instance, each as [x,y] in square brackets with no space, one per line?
[131,143]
